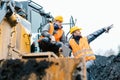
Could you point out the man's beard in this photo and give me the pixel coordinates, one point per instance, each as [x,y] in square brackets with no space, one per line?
[56,27]
[77,37]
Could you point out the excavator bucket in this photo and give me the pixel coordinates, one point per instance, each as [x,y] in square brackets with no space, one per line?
[30,68]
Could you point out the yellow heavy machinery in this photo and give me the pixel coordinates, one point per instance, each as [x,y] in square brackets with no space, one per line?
[20,27]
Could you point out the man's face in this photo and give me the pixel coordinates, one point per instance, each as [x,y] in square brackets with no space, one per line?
[77,33]
[59,23]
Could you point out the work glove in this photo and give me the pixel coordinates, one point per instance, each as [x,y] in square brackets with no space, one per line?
[52,38]
[89,63]
[108,28]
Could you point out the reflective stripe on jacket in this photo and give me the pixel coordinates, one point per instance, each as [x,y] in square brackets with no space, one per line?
[82,49]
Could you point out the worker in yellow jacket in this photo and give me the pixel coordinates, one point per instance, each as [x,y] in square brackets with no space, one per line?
[80,45]
[52,36]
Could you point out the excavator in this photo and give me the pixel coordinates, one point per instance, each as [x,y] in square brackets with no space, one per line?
[20,27]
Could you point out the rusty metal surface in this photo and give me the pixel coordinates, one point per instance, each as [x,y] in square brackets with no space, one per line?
[39,55]
[5,34]
[40,69]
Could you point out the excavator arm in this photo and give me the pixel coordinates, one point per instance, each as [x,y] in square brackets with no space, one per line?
[6,8]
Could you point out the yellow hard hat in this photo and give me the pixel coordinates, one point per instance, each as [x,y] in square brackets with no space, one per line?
[59,18]
[74,28]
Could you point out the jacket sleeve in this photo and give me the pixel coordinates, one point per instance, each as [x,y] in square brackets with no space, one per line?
[63,38]
[95,34]
[45,30]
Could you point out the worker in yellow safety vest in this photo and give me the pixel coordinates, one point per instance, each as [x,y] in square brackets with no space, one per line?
[52,36]
[80,45]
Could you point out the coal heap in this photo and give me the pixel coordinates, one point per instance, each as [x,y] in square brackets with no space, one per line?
[106,68]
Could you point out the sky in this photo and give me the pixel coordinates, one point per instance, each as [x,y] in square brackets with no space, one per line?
[91,15]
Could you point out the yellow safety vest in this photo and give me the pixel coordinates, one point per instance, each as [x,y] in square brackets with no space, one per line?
[58,35]
[51,30]
[82,49]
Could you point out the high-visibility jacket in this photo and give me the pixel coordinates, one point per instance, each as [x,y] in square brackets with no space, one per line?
[51,29]
[82,49]
[58,35]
